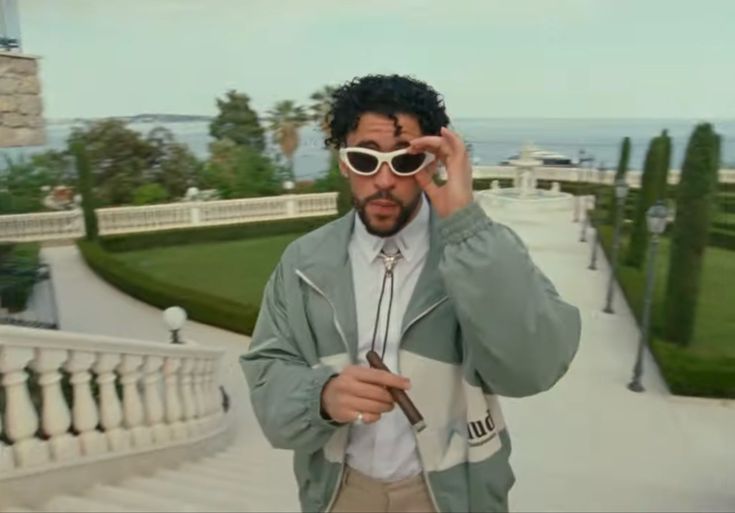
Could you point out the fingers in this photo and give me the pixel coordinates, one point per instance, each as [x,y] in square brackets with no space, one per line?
[454,141]
[366,406]
[425,179]
[378,377]
[369,391]
[367,418]
[444,145]
[435,144]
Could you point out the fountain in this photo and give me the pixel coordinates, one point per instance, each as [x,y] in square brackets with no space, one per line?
[525,196]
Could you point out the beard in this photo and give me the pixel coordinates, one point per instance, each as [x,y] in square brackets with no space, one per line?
[404,214]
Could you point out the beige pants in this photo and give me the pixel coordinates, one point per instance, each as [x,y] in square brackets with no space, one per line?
[360,493]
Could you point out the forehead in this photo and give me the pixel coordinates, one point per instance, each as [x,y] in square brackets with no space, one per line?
[378,127]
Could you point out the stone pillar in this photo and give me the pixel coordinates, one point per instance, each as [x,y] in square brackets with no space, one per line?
[21,119]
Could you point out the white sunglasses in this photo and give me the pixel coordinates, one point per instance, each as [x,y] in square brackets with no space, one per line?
[366,162]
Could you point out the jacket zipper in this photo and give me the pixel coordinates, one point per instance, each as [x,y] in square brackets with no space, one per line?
[422,315]
[347,349]
[334,310]
[338,485]
[418,447]
[426,476]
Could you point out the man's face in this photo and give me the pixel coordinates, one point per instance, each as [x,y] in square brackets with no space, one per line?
[385,202]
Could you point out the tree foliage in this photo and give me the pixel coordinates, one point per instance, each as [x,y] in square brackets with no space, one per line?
[620,174]
[284,122]
[86,189]
[240,172]
[694,200]
[654,184]
[123,160]
[238,122]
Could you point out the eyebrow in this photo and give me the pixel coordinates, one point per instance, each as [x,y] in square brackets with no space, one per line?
[369,143]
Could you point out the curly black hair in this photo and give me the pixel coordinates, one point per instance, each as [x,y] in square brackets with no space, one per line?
[388,95]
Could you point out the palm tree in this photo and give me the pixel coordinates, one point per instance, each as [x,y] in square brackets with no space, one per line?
[284,122]
[321,106]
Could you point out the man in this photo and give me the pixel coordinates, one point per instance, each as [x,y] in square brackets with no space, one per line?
[449,299]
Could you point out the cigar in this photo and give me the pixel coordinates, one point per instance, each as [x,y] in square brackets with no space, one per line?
[399,396]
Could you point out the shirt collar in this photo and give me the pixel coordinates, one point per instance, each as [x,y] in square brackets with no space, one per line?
[411,240]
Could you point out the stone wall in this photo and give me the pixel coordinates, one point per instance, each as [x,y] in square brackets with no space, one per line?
[21,119]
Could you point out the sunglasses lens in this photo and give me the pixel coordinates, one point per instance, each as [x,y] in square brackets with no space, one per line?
[362,162]
[408,162]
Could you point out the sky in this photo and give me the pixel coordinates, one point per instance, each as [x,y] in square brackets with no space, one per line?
[488,58]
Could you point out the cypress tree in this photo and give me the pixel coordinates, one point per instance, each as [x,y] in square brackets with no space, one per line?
[619,174]
[84,175]
[654,186]
[694,199]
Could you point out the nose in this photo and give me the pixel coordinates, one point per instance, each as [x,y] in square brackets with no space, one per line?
[384,178]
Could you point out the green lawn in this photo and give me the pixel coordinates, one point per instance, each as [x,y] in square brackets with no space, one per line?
[236,270]
[707,366]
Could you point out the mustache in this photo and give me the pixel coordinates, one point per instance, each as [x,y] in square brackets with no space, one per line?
[380,195]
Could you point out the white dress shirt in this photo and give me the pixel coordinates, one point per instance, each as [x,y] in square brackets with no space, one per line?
[385,450]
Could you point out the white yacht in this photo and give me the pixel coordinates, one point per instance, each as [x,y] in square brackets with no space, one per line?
[547,158]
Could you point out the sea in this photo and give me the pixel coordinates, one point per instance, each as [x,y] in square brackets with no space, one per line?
[491,140]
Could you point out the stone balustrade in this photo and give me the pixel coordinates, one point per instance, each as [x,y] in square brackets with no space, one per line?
[70,224]
[68,399]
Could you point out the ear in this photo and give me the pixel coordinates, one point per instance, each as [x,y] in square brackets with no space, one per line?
[344,171]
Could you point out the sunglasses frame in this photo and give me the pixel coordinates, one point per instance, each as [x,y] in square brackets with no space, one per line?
[382,157]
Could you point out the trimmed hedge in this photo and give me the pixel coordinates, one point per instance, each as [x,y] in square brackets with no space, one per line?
[686,372]
[724,239]
[200,235]
[690,374]
[18,274]
[200,306]
[207,308]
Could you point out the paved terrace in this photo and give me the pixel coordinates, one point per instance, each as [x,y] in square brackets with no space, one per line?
[587,445]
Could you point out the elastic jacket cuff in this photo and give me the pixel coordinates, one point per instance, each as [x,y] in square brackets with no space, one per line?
[463,223]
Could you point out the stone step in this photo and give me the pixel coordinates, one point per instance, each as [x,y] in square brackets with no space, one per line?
[224,475]
[212,485]
[142,501]
[184,492]
[67,503]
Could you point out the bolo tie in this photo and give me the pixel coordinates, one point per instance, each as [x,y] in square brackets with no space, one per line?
[390,255]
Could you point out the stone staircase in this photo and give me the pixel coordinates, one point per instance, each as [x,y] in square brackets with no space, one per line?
[235,479]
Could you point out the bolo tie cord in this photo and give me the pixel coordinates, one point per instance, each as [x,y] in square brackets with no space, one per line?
[388,273]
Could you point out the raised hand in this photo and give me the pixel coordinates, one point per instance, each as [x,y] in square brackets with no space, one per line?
[451,151]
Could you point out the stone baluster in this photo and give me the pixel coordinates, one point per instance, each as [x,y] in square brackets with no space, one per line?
[85,416]
[200,369]
[152,398]
[55,414]
[214,393]
[210,393]
[6,453]
[173,398]
[187,395]
[132,403]
[21,420]
[111,414]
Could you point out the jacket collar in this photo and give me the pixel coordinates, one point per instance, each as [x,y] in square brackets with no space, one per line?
[330,270]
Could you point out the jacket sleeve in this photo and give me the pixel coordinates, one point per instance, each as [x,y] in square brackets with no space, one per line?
[284,390]
[518,335]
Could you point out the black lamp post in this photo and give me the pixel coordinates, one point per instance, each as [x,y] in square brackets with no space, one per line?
[593,259]
[656,218]
[621,191]
[174,317]
[588,203]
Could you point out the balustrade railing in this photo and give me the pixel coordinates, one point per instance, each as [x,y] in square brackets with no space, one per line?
[66,398]
[70,224]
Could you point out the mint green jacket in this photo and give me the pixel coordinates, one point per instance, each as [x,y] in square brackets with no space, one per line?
[483,322]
